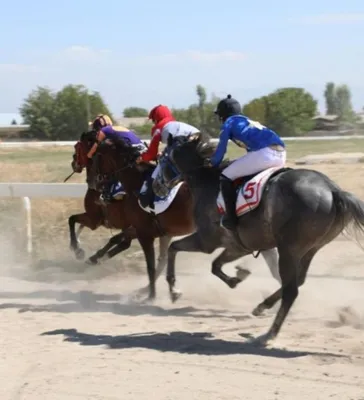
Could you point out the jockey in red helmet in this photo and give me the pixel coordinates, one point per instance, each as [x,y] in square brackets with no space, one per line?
[164,125]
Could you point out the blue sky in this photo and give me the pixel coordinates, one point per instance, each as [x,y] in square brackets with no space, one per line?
[145,53]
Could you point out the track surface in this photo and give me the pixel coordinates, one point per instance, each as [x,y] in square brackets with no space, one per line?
[67,338]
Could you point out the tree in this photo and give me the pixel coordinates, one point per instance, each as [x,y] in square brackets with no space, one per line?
[200,115]
[343,103]
[338,101]
[142,130]
[38,112]
[330,98]
[290,111]
[135,112]
[201,94]
[63,115]
[75,108]
[13,122]
[257,110]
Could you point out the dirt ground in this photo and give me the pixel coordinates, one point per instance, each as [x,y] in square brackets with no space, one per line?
[78,336]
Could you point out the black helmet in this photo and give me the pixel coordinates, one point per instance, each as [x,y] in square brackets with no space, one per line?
[228,107]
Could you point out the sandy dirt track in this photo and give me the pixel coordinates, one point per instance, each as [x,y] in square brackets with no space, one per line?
[79,339]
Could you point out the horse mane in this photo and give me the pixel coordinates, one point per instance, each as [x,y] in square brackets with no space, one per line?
[206,148]
[124,147]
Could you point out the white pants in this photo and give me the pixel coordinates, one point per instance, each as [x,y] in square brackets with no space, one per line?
[154,175]
[156,171]
[254,162]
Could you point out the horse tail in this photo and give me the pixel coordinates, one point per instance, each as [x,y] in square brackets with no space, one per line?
[350,211]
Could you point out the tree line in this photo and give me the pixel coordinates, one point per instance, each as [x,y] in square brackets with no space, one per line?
[63,115]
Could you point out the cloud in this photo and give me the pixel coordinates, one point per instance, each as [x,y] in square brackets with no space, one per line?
[194,56]
[18,68]
[331,19]
[82,53]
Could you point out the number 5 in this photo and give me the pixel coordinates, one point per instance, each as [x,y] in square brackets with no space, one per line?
[249,191]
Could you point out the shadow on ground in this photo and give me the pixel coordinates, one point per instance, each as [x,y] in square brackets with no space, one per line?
[198,343]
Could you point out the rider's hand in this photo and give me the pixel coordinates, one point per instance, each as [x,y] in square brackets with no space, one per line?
[207,162]
[159,155]
[139,160]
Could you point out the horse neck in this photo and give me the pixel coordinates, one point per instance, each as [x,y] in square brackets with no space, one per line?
[131,178]
[204,184]
[90,177]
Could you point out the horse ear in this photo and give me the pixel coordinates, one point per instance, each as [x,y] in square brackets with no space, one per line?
[170,140]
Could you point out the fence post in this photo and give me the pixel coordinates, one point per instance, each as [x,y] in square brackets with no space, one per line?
[28,210]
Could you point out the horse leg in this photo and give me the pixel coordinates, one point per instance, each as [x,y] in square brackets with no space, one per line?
[119,248]
[147,244]
[270,301]
[289,265]
[226,256]
[191,243]
[84,220]
[78,233]
[271,258]
[164,242]
[117,243]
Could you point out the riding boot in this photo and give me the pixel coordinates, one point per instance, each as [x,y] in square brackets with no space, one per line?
[106,196]
[147,197]
[229,220]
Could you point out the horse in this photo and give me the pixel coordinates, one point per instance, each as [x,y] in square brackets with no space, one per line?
[110,215]
[173,214]
[297,211]
[96,214]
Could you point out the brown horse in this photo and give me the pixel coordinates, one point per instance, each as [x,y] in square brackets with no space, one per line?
[173,215]
[109,215]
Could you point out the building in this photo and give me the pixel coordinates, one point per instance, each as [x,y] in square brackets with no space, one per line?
[326,122]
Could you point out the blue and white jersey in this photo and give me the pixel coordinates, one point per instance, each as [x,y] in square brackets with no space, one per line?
[245,133]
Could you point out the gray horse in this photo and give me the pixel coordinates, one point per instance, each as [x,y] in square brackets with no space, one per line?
[300,212]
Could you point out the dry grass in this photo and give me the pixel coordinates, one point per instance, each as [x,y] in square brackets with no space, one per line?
[50,216]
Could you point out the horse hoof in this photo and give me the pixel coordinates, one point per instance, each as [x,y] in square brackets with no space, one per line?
[242,273]
[91,261]
[261,341]
[80,254]
[258,310]
[234,282]
[175,295]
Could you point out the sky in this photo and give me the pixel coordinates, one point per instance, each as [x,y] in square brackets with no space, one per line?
[143,53]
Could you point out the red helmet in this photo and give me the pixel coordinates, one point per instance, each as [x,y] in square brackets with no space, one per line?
[159,112]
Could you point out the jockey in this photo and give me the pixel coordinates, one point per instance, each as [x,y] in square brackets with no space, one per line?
[164,125]
[104,131]
[265,149]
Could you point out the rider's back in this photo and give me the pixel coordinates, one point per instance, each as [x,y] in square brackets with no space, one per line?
[177,128]
[112,133]
[250,134]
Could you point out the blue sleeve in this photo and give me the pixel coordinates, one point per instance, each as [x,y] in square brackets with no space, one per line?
[222,146]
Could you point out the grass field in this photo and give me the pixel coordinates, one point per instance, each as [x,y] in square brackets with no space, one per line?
[53,165]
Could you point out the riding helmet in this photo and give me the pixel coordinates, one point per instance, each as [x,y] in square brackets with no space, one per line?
[228,107]
[100,121]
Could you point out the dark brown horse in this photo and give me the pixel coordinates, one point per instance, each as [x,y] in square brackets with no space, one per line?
[96,213]
[175,218]
[109,215]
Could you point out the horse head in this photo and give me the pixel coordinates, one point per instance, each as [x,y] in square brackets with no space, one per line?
[80,161]
[187,154]
[82,147]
